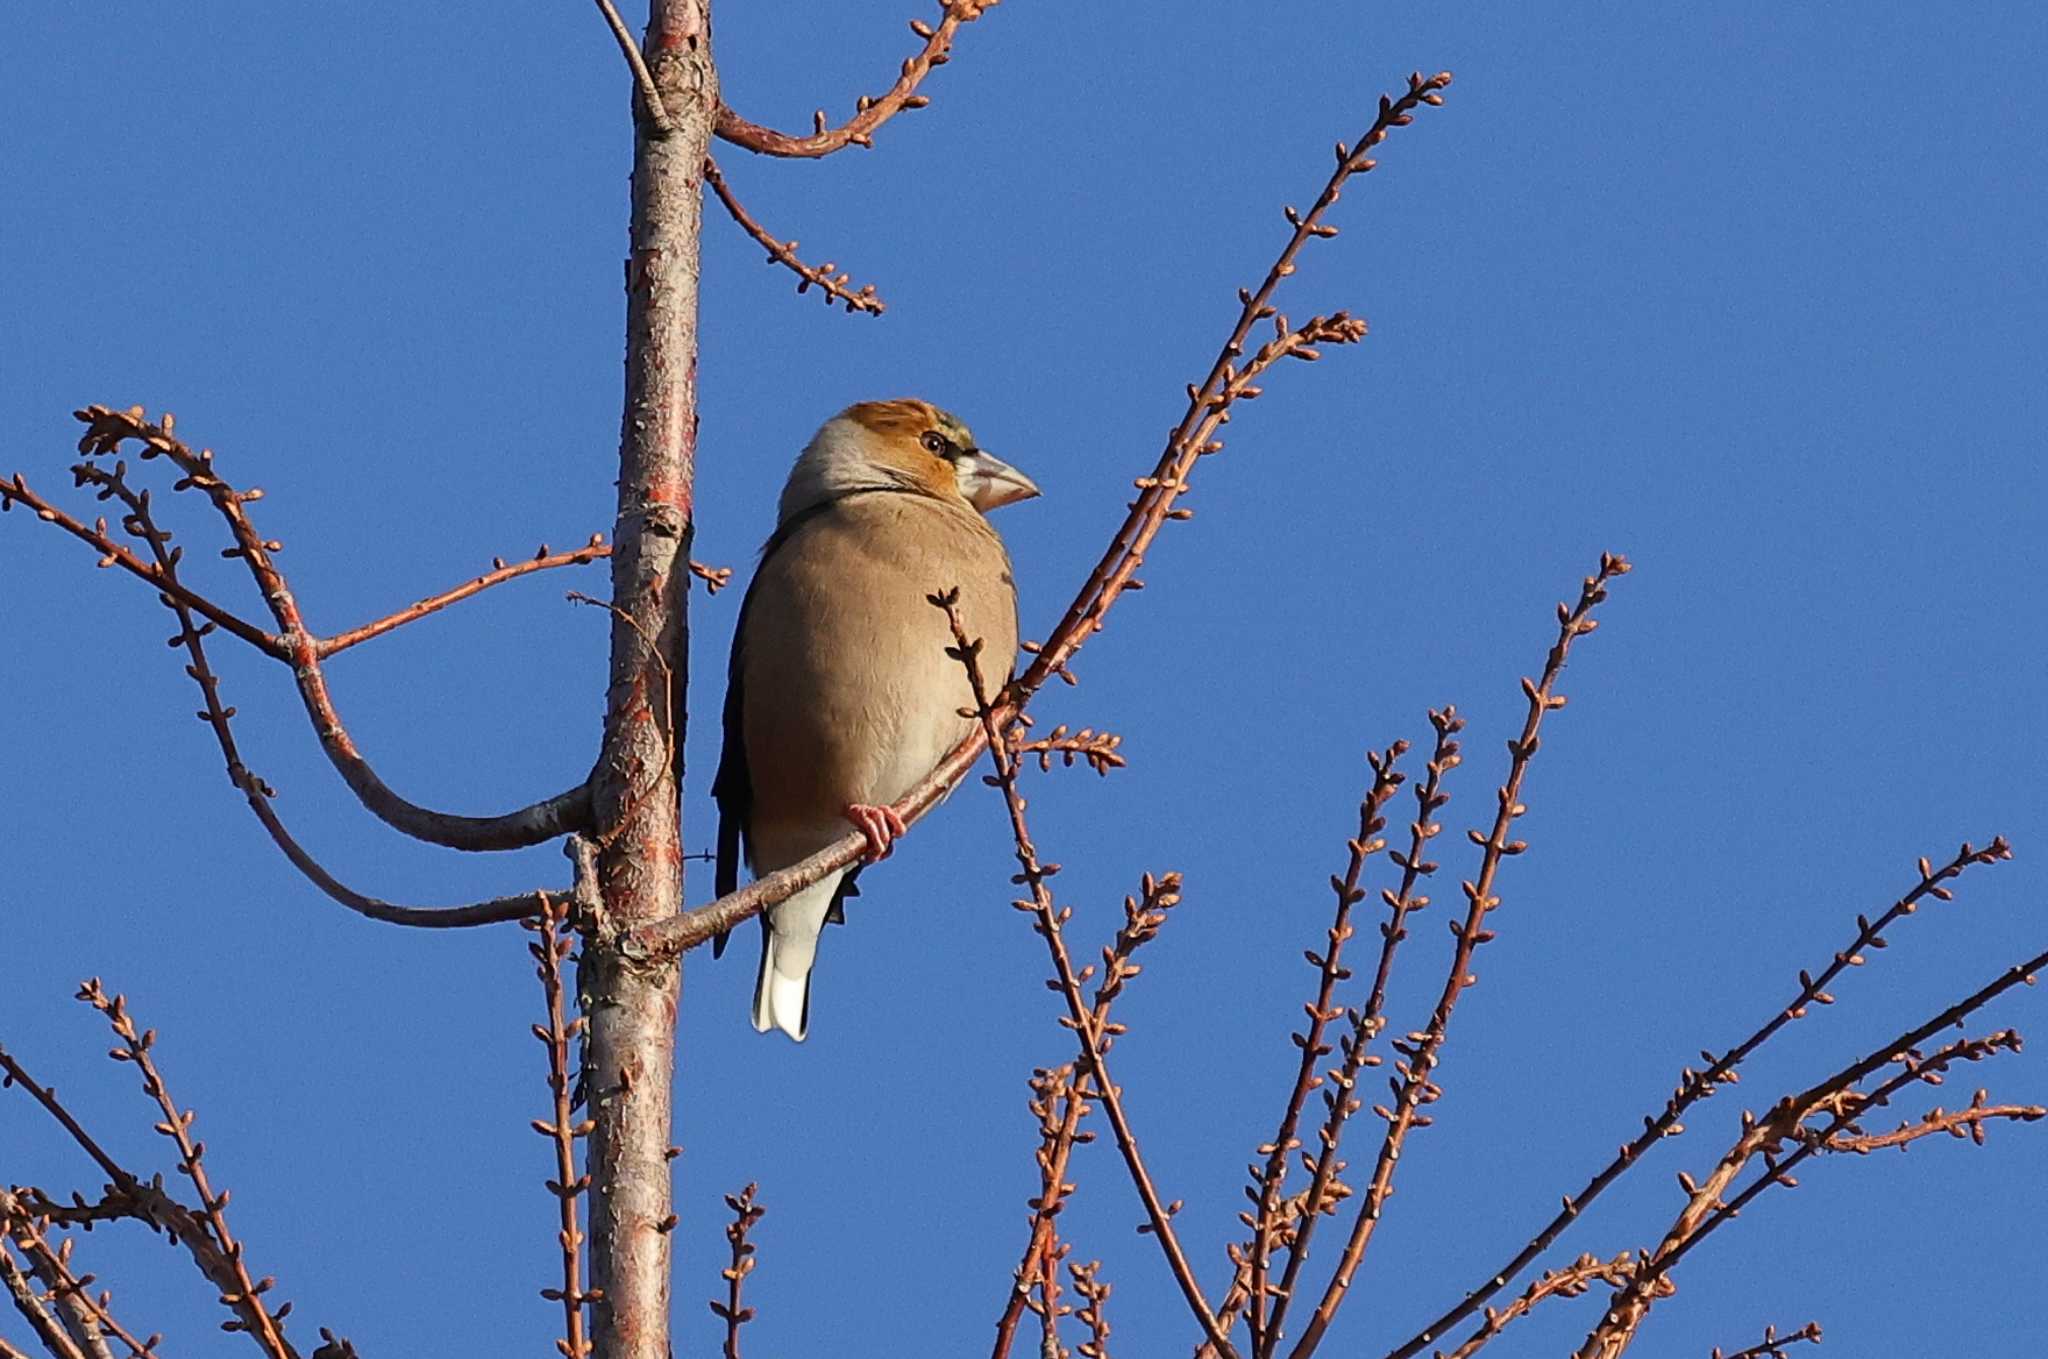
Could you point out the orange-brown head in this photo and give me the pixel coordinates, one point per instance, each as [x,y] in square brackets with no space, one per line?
[903,444]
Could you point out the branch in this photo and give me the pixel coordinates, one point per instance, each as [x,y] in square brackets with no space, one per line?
[1098,748]
[499,573]
[1267,1183]
[1969,1122]
[22,1290]
[1694,1085]
[1208,407]
[1415,1088]
[1569,1282]
[106,431]
[245,1297]
[557,941]
[1368,1021]
[870,113]
[1047,921]
[643,79]
[1093,1291]
[1707,1210]
[113,553]
[745,1213]
[1064,1090]
[89,1320]
[833,286]
[1773,1345]
[255,791]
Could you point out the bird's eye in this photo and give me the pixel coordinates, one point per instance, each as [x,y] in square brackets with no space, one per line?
[939,445]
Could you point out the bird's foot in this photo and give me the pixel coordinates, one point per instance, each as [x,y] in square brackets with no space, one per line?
[881,826]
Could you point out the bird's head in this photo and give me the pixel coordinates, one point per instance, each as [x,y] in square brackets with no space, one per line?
[907,444]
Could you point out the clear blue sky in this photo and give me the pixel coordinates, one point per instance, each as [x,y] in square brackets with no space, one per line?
[1751,293]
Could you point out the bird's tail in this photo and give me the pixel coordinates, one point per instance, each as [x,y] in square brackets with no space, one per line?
[789,946]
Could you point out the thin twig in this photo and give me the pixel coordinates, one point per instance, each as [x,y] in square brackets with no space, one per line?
[1048,918]
[1268,1183]
[28,1300]
[1420,1053]
[89,1319]
[255,791]
[1369,1020]
[745,1213]
[251,1315]
[643,79]
[1571,1281]
[1695,1085]
[869,113]
[106,431]
[555,944]
[1710,1207]
[1069,1090]
[834,287]
[1094,1292]
[501,571]
[1773,1345]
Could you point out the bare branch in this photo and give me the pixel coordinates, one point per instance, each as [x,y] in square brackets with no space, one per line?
[555,944]
[745,1213]
[255,791]
[715,578]
[1570,1282]
[1098,748]
[87,1319]
[834,287]
[1694,1086]
[1048,919]
[1420,1051]
[21,1288]
[106,431]
[1267,1183]
[870,113]
[245,1298]
[1089,1284]
[499,573]
[643,79]
[113,553]
[1709,1204]
[1774,1345]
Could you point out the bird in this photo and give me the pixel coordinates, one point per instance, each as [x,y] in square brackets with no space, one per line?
[840,696]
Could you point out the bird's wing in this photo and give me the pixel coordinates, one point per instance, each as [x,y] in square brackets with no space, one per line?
[733,788]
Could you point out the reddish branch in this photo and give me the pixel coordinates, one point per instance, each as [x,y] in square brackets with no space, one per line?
[550,950]
[834,287]
[1231,379]
[745,1213]
[1094,1293]
[1068,1090]
[140,523]
[1047,920]
[89,1319]
[1420,1054]
[500,572]
[1098,748]
[1368,1021]
[1571,1281]
[1774,1345]
[1695,1085]
[245,1298]
[107,430]
[1268,1183]
[869,112]
[1710,1205]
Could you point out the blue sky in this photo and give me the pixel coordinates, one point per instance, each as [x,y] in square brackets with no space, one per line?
[1751,293]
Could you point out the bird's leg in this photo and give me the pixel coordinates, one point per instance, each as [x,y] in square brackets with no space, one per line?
[881,826]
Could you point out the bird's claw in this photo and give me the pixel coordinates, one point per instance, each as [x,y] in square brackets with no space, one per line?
[880,825]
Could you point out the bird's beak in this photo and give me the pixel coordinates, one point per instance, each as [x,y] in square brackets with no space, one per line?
[989,483]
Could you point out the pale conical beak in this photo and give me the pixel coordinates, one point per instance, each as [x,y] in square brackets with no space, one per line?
[989,483]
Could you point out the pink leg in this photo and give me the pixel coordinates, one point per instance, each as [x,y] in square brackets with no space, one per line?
[881,826]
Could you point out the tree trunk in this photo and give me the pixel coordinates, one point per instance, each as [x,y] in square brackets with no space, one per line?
[631,1005]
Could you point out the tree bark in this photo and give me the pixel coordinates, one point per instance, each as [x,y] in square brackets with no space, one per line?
[631,1004]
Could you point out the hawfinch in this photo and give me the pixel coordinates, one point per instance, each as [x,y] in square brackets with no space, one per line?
[840,695]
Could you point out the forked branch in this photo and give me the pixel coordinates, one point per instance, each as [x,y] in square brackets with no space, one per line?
[835,287]
[869,112]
